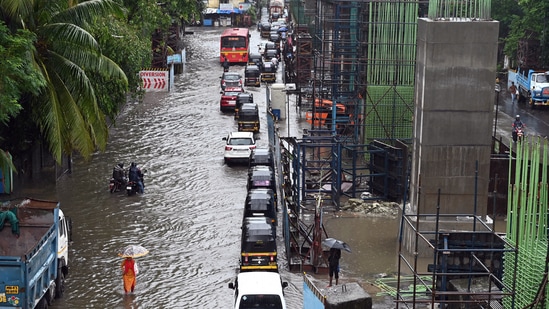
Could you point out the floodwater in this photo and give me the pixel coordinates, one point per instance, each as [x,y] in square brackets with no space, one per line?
[189,217]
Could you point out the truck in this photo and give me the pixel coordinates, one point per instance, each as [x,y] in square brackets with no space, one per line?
[533,87]
[34,245]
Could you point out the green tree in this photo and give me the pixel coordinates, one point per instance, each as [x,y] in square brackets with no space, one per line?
[66,111]
[17,76]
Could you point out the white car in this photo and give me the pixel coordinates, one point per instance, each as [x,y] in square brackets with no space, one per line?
[259,289]
[238,147]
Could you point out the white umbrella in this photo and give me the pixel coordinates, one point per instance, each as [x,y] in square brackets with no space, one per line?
[132,251]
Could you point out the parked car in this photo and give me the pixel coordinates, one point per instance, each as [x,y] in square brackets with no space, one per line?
[238,147]
[231,79]
[248,118]
[242,98]
[252,76]
[228,98]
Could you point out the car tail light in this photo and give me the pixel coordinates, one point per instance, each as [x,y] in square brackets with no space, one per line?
[272,258]
[228,148]
[252,147]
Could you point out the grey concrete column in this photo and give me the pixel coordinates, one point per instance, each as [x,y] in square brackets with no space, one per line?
[454,95]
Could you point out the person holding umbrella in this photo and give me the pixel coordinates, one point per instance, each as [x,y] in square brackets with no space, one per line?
[335,246]
[129,271]
[129,267]
[333,263]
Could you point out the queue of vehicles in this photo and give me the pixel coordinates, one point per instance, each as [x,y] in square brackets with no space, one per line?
[258,283]
[34,246]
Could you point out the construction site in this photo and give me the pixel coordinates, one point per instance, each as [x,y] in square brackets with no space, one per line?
[376,81]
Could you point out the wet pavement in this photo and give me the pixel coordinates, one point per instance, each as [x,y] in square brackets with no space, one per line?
[189,217]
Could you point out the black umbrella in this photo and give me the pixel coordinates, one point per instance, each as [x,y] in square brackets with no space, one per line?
[337,244]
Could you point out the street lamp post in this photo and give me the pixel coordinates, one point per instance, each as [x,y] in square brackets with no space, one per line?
[497,89]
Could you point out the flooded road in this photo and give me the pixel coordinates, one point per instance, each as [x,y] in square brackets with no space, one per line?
[190,215]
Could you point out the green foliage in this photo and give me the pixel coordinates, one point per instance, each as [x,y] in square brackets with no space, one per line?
[523,20]
[18,75]
[66,111]
[119,41]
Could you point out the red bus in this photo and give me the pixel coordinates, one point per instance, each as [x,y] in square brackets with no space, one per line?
[235,45]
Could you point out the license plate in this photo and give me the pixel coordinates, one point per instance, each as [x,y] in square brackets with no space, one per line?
[128,188]
[12,289]
[231,102]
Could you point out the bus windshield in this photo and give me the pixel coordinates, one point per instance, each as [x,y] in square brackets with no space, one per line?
[234,42]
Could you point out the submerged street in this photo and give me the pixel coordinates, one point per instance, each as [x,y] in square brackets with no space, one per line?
[190,215]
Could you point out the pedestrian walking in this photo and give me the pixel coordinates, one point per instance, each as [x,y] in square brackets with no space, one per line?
[514,91]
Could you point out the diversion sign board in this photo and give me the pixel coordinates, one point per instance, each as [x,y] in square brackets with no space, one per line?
[155,80]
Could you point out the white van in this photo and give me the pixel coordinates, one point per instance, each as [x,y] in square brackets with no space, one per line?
[259,289]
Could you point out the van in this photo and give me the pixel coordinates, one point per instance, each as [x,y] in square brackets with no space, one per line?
[248,118]
[259,289]
[252,76]
[258,249]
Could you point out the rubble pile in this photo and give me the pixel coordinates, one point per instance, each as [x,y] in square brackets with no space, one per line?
[372,208]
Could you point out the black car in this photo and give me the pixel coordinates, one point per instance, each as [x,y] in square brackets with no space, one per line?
[242,98]
[260,203]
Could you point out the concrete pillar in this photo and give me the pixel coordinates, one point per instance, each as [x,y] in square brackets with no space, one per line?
[454,97]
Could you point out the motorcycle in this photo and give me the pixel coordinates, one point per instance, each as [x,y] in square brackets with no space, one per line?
[518,133]
[116,185]
[132,187]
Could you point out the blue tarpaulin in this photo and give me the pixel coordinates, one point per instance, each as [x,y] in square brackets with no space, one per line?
[235,11]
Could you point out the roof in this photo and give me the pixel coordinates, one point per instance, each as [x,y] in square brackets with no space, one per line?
[259,282]
[241,134]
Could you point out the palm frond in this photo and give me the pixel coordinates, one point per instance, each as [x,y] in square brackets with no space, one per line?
[85,12]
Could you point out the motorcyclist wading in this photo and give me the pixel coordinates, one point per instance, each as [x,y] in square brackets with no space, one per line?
[518,128]
[135,175]
[118,180]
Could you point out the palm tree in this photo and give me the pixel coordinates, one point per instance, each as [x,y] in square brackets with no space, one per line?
[66,110]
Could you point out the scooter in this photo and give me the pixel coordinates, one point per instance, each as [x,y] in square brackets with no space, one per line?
[518,133]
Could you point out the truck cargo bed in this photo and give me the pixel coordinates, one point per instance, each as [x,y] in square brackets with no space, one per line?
[35,219]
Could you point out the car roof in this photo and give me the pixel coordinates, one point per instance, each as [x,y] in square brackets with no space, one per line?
[249,106]
[252,67]
[259,282]
[241,135]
